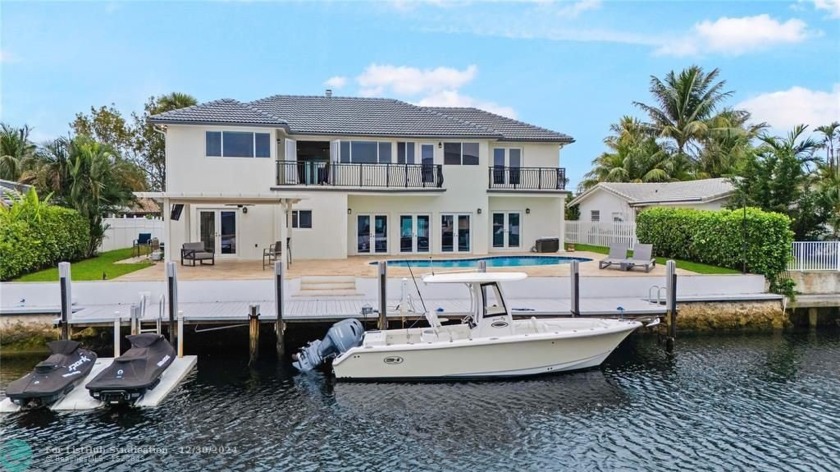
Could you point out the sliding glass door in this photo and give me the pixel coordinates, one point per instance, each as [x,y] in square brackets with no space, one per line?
[455,233]
[506,230]
[414,233]
[217,230]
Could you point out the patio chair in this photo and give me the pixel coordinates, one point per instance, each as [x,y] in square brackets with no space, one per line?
[642,257]
[617,256]
[142,241]
[197,252]
[272,254]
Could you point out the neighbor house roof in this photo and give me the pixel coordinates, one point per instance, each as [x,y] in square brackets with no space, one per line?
[354,116]
[643,194]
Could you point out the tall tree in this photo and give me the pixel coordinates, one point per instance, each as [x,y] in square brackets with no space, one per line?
[727,144]
[16,151]
[683,104]
[633,156]
[107,125]
[831,142]
[149,143]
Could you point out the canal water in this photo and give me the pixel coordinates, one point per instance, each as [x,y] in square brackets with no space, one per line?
[723,402]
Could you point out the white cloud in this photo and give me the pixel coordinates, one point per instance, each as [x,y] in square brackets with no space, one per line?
[736,36]
[784,109]
[336,82]
[831,6]
[451,98]
[378,80]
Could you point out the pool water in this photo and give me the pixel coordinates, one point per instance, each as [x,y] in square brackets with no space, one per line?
[492,261]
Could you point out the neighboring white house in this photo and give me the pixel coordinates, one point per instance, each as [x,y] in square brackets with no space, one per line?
[614,202]
[357,176]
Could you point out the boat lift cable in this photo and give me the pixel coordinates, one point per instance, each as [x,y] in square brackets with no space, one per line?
[217,328]
[417,287]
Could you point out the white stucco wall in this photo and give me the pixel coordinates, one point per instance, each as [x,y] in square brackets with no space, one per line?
[607,203]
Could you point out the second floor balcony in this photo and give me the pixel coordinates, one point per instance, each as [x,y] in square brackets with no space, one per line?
[526,178]
[377,176]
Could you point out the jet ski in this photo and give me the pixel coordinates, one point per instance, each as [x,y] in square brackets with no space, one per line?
[131,375]
[54,377]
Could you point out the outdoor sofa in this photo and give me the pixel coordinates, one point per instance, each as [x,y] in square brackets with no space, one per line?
[197,252]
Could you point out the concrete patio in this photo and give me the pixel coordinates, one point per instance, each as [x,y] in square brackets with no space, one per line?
[360,267]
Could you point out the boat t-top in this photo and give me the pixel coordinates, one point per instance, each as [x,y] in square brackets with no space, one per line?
[487,343]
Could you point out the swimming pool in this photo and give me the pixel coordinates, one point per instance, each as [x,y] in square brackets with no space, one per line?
[492,261]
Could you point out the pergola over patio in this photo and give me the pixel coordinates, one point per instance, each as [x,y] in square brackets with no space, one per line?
[282,214]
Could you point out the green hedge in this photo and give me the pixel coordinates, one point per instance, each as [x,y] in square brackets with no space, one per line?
[33,240]
[717,238]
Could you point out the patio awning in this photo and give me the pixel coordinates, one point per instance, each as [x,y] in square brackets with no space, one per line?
[229,198]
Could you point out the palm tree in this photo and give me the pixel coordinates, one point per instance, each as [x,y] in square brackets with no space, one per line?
[174,101]
[634,156]
[831,133]
[727,143]
[16,151]
[683,105]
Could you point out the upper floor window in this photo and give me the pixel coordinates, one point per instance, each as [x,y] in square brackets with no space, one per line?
[365,152]
[238,144]
[457,154]
[405,153]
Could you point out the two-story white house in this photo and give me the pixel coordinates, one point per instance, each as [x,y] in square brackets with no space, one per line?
[339,177]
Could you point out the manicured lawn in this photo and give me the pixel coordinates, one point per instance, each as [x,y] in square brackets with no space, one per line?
[91,269]
[686,265]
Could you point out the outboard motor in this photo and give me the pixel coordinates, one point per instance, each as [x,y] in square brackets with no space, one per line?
[341,337]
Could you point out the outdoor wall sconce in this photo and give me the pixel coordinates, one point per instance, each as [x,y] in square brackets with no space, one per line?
[440,144]
[527,211]
[244,209]
[349,211]
[478,211]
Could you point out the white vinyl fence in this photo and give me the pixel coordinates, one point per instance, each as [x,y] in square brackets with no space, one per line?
[601,233]
[122,232]
[815,255]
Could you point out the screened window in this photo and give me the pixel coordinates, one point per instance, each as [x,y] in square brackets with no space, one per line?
[456,154]
[237,144]
[365,152]
[595,216]
[301,218]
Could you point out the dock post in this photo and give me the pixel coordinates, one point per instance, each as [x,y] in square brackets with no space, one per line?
[134,310]
[66,301]
[482,266]
[383,295]
[279,325]
[180,334]
[671,305]
[254,332]
[574,276]
[117,326]
[172,290]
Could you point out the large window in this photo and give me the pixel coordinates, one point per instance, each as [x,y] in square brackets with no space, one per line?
[405,153]
[457,154]
[365,152]
[237,144]
[302,219]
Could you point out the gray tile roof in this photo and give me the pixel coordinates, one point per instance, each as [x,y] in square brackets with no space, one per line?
[664,192]
[351,116]
[510,129]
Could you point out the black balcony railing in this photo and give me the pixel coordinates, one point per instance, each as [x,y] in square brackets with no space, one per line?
[527,178]
[321,173]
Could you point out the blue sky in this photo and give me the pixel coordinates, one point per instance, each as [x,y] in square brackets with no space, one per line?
[573,66]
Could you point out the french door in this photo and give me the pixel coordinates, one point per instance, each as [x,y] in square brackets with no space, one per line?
[507,163]
[455,233]
[414,233]
[506,229]
[372,234]
[217,230]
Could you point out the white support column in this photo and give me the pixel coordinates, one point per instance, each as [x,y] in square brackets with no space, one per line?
[187,222]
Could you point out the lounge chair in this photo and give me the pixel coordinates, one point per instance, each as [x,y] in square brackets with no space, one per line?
[617,256]
[197,252]
[272,254]
[642,257]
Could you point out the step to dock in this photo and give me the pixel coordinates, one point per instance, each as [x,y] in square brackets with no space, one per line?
[327,286]
[80,399]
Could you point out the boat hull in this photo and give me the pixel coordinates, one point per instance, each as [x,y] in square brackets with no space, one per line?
[495,357]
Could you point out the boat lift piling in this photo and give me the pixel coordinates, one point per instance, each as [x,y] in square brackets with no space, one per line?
[253,333]
[574,277]
[383,295]
[279,325]
[66,300]
[180,334]
[482,266]
[172,289]
[671,303]
[117,328]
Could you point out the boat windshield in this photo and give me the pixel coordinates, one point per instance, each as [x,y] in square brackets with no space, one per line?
[494,305]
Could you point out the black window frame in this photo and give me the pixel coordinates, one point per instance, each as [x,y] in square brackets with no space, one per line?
[297,220]
[449,153]
[498,293]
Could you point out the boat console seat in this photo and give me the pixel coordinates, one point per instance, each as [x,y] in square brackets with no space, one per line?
[432,318]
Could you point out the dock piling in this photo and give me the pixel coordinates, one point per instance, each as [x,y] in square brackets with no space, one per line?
[180,334]
[172,289]
[574,277]
[254,332]
[671,302]
[134,311]
[482,266]
[383,295]
[66,301]
[279,325]
[117,326]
